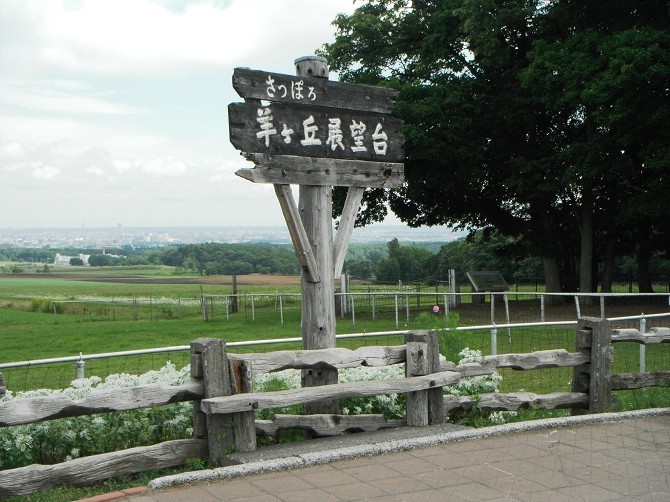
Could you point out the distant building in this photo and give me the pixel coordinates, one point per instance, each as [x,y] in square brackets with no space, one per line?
[65,260]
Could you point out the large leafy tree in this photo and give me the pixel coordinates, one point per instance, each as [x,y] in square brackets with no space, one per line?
[518,117]
[604,79]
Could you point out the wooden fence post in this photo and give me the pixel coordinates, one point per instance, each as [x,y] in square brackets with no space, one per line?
[581,375]
[3,389]
[244,422]
[417,401]
[435,399]
[210,362]
[594,336]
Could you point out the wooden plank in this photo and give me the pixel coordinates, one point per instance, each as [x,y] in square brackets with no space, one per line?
[39,409]
[334,358]
[301,244]
[282,129]
[324,425]
[656,335]
[625,381]
[517,400]
[291,169]
[36,477]
[279,399]
[269,86]
[541,359]
[346,227]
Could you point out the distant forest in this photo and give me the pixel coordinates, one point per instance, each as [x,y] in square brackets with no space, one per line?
[423,262]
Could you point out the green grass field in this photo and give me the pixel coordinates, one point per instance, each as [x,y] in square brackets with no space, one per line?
[91,318]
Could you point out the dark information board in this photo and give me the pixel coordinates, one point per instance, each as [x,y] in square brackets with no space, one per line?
[487,281]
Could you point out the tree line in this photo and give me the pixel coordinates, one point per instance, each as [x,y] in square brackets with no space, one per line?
[390,262]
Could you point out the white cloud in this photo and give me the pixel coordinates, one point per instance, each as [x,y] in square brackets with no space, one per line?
[164,167]
[59,96]
[12,149]
[143,36]
[115,110]
[44,172]
[95,170]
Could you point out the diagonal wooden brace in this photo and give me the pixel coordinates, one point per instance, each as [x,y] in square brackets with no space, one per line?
[346,227]
[296,229]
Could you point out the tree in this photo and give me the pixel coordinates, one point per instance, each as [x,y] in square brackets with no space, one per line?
[518,117]
[406,263]
[76,262]
[604,80]
[100,260]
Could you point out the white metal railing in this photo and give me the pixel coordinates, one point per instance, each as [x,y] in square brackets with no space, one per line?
[493,328]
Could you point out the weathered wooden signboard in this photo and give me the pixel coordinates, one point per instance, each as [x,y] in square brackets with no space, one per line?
[332,133]
[315,118]
[315,133]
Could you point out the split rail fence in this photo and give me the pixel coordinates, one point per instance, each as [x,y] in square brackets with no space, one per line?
[224,404]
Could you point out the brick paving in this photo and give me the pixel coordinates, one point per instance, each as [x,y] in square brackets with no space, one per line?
[612,460]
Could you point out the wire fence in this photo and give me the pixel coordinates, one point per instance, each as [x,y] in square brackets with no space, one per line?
[381,310]
[489,339]
[356,311]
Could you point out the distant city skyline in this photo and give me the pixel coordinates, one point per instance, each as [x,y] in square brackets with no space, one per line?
[120,235]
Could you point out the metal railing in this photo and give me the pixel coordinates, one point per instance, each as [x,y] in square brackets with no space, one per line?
[493,329]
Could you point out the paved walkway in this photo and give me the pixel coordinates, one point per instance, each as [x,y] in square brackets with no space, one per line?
[605,457]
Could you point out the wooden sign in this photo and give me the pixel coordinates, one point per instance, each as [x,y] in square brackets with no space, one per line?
[292,170]
[311,131]
[313,91]
[332,133]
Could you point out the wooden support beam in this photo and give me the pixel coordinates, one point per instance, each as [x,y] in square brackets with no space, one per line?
[296,229]
[346,227]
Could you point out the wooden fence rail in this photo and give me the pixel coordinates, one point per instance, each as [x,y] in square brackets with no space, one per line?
[224,403]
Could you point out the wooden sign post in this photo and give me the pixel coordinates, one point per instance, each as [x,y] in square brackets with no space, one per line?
[315,133]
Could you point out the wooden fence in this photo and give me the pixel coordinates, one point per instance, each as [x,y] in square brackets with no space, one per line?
[224,404]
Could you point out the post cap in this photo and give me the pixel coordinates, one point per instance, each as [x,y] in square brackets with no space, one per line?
[311,66]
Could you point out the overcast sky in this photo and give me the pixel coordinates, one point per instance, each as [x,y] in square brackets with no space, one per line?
[115,111]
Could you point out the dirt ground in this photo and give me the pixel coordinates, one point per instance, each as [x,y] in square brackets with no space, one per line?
[242,280]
